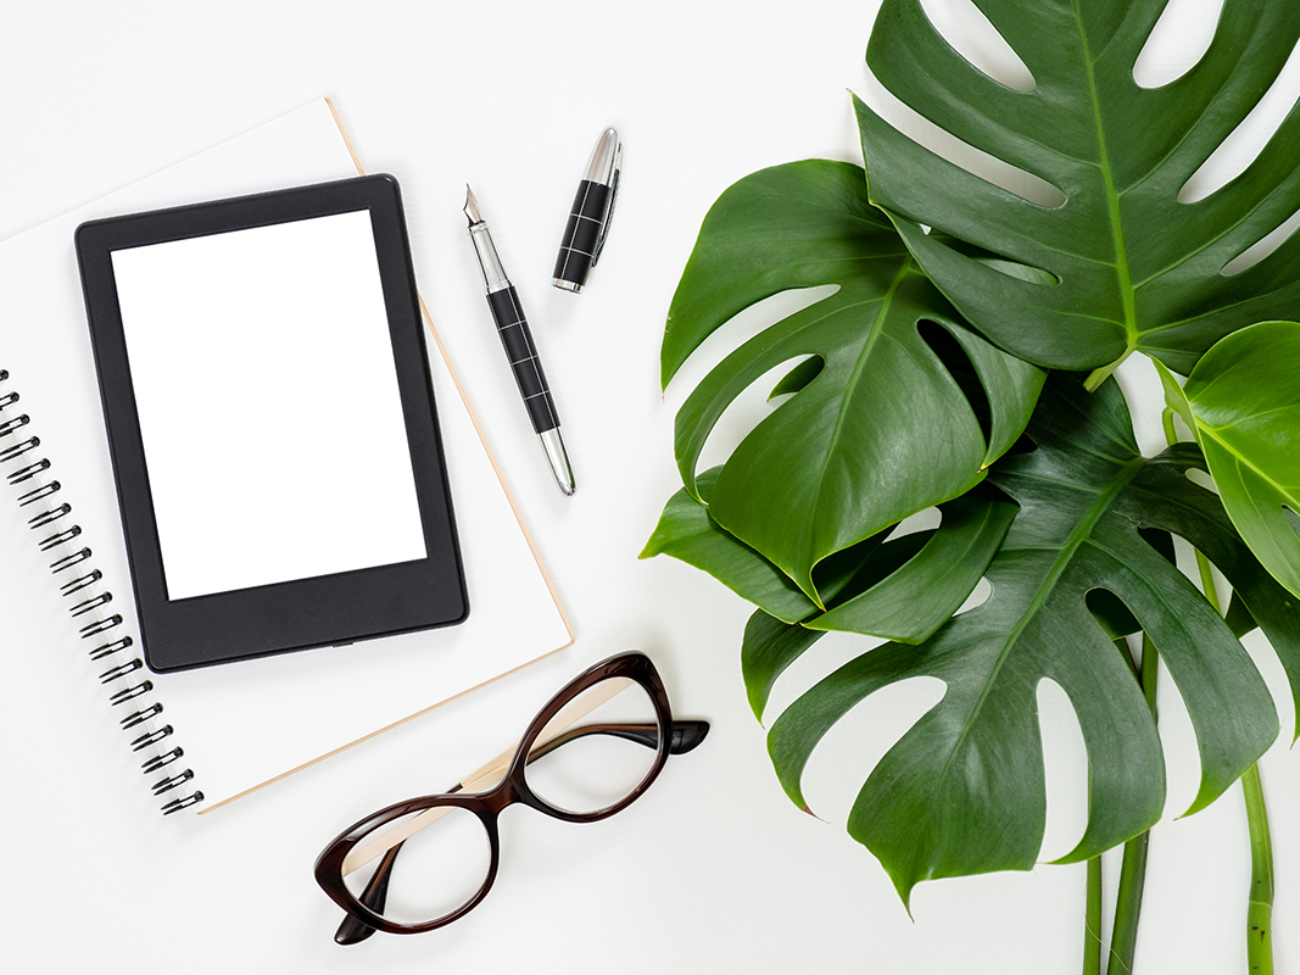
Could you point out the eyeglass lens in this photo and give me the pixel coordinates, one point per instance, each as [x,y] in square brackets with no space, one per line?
[432,872]
[597,750]
[598,761]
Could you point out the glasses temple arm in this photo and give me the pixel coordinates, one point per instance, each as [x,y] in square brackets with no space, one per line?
[375,896]
[685,736]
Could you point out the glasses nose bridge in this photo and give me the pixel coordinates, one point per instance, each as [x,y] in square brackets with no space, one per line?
[514,790]
[507,792]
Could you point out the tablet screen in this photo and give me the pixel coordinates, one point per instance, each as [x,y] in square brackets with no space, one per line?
[268,403]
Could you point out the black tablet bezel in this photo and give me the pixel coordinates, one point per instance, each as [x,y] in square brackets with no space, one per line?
[303,613]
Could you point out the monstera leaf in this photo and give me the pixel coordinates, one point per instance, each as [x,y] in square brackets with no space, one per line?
[904,588]
[686,532]
[1243,402]
[962,791]
[1134,267]
[881,424]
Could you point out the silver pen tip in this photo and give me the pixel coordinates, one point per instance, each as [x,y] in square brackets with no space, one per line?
[553,445]
[471,207]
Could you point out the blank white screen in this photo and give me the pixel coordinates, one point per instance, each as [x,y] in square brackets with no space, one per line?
[269,409]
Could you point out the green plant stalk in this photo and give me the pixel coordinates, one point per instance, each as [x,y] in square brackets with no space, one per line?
[1102,373]
[1259,913]
[1092,920]
[1133,871]
[1259,909]
[1128,905]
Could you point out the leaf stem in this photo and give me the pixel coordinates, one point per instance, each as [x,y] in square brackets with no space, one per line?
[1092,920]
[1150,669]
[1102,373]
[1128,905]
[1259,913]
[1207,583]
[1259,909]
[1167,422]
[1133,871]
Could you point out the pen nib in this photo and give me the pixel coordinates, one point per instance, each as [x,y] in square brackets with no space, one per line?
[471,207]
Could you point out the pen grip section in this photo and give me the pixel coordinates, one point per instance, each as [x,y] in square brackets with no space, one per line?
[517,340]
[582,233]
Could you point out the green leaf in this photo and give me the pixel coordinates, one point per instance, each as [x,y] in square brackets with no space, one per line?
[885,428]
[904,589]
[1136,268]
[685,531]
[1110,612]
[1198,515]
[1245,400]
[962,791]
[920,596]
[768,648]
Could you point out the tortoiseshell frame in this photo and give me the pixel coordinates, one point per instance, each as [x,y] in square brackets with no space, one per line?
[487,806]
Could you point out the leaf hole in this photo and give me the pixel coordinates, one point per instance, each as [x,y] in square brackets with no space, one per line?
[797,378]
[1066,775]
[854,746]
[831,652]
[1177,43]
[978,597]
[1262,248]
[970,33]
[927,519]
[739,329]
[1021,272]
[1178,745]
[1110,613]
[1161,541]
[1202,480]
[1292,519]
[954,358]
[750,407]
[1244,144]
[1026,185]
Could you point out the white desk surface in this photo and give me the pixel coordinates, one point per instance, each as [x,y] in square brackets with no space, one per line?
[713,870]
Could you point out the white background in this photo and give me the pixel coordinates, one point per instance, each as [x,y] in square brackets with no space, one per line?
[714,870]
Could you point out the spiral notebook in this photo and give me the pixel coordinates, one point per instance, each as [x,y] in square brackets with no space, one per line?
[205,737]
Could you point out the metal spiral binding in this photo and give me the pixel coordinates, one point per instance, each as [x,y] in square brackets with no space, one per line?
[87,602]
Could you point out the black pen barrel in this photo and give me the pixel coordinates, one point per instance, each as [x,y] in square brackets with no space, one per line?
[581,235]
[517,340]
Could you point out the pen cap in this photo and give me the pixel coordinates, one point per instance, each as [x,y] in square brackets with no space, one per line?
[589,217]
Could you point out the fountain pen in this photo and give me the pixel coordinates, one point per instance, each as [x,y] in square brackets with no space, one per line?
[517,340]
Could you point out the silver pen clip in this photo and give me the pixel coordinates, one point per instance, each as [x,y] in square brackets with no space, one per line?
[615,174]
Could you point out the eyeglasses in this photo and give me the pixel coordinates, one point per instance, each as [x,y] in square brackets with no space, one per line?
[449,844]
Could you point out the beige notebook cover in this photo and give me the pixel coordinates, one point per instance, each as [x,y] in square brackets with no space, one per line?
[245,724]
